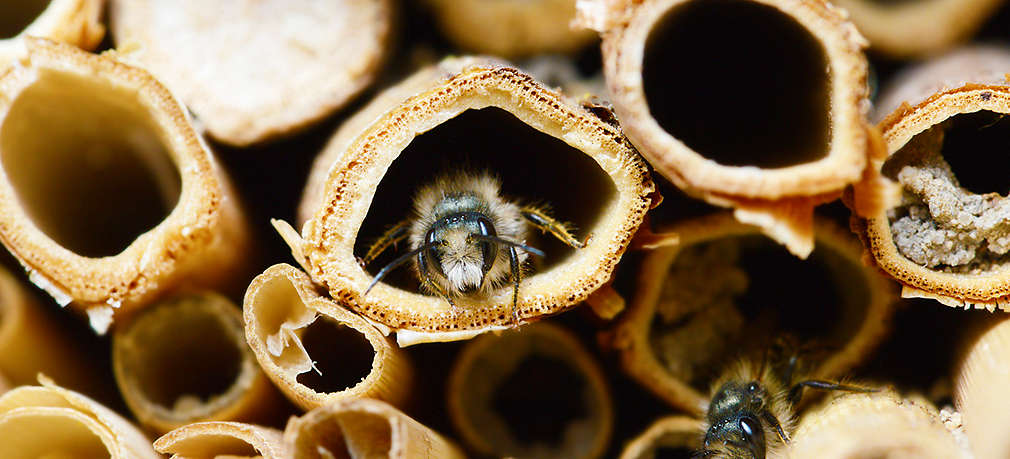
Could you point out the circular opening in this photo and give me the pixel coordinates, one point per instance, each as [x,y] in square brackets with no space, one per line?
[739,82]
[182,356]
[87,163]
[346,435]
[48,436]
[955,193]
[539,399]
[534,169]
[342,355]
[737,296]
[18,15]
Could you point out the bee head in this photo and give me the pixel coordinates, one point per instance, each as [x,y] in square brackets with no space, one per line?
[734,417]
[460,249]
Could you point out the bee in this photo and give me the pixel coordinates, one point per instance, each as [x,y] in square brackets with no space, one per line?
[466,239]
[752,410]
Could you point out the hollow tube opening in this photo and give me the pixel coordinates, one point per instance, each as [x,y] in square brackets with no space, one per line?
[342,355]
[19,14]
[539,399]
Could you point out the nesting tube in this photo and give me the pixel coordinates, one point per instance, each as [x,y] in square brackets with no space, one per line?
[980,379]
[50,421]
[725,289]
[185,359]
[918,28]
[771,145]
[315,351]
[76,22]
[294,64]
[944,228]
[534,392]
[880,424]
[673,436]
[511,28]
[108,197]
[470,114]
[223,439]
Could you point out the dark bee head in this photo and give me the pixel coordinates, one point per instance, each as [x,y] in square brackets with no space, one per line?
[734,417]
[462,249]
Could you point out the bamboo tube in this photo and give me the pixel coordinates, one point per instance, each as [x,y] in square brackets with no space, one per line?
[219,439]
[918,28]
[53,422]
[510,28]
[75,22]
[941,233]
[676,433]
[770,145]
[980,378]
[534,392]
[881,424]
[108,197]
[473,113]
[315,351]
[725,289]
[185,359]
[291,64]
[363,427]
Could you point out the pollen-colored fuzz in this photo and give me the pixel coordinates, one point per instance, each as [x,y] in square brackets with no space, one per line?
[461,258]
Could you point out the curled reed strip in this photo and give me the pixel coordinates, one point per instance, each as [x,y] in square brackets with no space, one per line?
[69,175]
[75,22]
[185,359]
[770,145]
[219,439]
[679,433]
[531,392]
[282,311]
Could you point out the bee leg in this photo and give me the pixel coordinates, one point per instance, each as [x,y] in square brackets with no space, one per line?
[390,237]
[770,419]
[797,390]
[516,277]
[548,224]
[422,264]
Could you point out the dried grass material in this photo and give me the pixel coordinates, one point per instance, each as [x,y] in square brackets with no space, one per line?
[313,349]
[75,22]
[50,421]
[219,439]
[185,360]
[944,237]
[108,197]
[674,433]
[880,424]
[714,289]
[918,28]
[771,145]
[252,71]
[511,28]
[533,392]
[363,427]
[471,112]
[980,382]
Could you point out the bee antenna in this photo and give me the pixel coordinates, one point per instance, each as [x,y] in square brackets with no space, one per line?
[496,239]
[396,263]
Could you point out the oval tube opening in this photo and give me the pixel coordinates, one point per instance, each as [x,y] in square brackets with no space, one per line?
[342,356]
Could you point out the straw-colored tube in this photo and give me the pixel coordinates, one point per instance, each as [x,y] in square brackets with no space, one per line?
[108,197]
[856,426]
[939,232]
[769,145]
[703,302]
[254,71]
[50,421]
[364,427]
[218,439]
[980,380]
[675,432]
[75,22]
[311,348]
[185,359]
[543,371]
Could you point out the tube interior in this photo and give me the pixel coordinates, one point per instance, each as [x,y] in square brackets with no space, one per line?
[346,435]
[183,355]
[534,168]
[87,162]
[342,355]
[19,14]
[737,296]
[538,383]
[739,82]
[48,436]
[956,194]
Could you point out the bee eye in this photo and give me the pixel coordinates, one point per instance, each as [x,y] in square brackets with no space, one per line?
[751,429]
[752,387]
